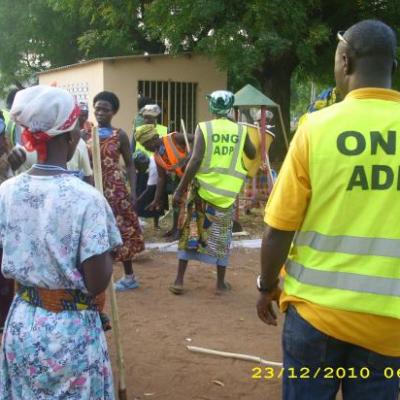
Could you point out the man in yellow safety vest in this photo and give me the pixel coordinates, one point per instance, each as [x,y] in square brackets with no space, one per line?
[338,190]
[216,164]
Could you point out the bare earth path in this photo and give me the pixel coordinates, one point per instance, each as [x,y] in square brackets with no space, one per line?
[156,324]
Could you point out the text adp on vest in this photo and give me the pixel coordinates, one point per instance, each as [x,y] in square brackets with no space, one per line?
[218,139]
[382,177]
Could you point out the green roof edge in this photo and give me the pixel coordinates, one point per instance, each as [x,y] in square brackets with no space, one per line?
[249,96]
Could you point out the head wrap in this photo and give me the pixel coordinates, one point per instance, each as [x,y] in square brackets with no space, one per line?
[145,133]
[220,102]
[44,112]
[150,110]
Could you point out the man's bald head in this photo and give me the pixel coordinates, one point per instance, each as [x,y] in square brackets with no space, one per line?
[365,55]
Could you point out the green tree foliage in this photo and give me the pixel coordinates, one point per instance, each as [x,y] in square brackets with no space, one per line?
[263,42]
[41,34]
[114,27]
[35,36]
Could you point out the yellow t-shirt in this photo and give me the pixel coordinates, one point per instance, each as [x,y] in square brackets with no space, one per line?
[286,209]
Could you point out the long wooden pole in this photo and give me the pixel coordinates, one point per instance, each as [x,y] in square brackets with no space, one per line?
[185,135]
[237,356]
[265,156]
[98,180]
[283,127]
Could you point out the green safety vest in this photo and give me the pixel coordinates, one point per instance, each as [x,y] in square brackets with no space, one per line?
[222,173]
[346,254]
[161,130]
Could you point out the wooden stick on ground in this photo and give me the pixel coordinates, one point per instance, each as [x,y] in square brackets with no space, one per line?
[122,392]
[237,356]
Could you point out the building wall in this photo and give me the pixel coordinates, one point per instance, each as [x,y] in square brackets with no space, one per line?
[84,77]
[122,75]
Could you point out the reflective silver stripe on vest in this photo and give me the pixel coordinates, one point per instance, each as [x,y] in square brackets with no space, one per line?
[349,244]
[343,280]
[10,130]
[9,127]
[208,157]
[231,171]
[216,190]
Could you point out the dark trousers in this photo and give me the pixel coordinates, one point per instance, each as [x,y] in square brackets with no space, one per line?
[317,365]
[6,295]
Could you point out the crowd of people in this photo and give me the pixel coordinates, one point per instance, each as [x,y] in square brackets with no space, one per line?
[57,263]
[59,236]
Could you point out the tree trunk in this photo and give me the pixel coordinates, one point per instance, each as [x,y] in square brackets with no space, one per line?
[275,79]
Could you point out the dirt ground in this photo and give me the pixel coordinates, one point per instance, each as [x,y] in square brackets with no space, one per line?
[157,326]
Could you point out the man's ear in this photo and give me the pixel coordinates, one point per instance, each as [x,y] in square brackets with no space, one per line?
[348,64]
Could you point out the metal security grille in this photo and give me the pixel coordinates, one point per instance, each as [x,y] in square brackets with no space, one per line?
[176,99]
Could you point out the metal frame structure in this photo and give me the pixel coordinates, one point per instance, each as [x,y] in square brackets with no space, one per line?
[246,98]
[177,100]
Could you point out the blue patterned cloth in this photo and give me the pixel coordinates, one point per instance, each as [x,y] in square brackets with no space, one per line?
[2,126]
[48,226]
[104,133]
[324,99]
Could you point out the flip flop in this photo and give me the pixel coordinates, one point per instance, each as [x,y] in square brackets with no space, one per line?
[227,289]
[176,289]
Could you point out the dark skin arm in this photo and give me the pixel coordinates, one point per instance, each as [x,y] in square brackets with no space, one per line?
[274,251]
[130,167]
[97,272]
[161,182]
[89,179]
[192,167]
[180,138]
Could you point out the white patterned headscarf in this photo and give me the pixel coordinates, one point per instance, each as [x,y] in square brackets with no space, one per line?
[44,112]
[151,110]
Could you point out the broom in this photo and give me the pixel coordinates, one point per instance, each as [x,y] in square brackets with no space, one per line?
[122,393]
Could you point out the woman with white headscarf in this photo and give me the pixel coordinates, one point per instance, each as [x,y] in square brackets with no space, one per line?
[56,233]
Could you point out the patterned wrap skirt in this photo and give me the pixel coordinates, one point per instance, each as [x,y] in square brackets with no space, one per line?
[206,231]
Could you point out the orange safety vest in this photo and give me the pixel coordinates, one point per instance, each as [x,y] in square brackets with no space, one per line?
[174,158]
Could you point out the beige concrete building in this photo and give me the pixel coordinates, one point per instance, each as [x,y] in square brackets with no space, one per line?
[178,84]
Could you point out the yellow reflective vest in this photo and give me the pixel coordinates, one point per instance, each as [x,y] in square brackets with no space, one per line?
[13,131]
[222,173]
[161,130]
[346,254]
[10,125]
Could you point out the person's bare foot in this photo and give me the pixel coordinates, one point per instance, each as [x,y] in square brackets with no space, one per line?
[223,288]
[176,288]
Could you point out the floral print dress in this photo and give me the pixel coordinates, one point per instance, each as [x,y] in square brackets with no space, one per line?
[116,192]
[48,226]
